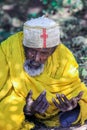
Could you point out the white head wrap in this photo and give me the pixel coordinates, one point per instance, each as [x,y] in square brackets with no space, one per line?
[41,32]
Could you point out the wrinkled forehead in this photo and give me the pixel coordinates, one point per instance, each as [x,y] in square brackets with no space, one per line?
[44,49]
[41,49]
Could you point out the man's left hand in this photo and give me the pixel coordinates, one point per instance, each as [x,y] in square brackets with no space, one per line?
[65,104]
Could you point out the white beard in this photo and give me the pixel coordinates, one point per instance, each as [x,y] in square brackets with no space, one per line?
[33,71]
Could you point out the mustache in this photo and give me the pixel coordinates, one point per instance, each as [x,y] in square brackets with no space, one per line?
[33,69]
[32,63]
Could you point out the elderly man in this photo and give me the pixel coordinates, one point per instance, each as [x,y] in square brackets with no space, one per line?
[39,79]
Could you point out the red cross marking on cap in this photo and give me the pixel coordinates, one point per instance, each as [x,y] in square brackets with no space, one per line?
[44,36]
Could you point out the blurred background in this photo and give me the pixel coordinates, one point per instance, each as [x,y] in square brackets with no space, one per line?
[70,14]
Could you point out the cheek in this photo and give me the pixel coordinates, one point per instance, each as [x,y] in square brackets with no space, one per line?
[44,59]
[28,55]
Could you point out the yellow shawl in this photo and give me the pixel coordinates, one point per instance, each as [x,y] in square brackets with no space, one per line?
[60,76]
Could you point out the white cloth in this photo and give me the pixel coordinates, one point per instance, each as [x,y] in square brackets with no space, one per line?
[41,32]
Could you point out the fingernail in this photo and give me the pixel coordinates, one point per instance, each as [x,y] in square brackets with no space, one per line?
[57,95]
[44,92]
[52,99]
[81,93]
[62,95]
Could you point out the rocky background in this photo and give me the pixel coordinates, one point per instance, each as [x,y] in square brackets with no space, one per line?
[71,16]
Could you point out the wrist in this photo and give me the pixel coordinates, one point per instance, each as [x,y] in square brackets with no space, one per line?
[77,107]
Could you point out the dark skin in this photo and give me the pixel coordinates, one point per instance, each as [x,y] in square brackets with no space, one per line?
[40,105]
[38,55]
[65,104]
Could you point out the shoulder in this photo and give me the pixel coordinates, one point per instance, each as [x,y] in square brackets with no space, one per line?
[13,37]
[65,54]
[16,36]
[12,41]
[64,51]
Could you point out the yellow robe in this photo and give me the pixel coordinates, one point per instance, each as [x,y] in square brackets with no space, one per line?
[60,76]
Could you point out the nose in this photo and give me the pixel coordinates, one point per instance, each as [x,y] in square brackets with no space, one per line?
[37,57]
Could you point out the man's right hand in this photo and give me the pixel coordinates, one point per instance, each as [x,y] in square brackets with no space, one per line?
[40,105]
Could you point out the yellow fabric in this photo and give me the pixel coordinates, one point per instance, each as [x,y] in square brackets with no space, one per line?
[60,76]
